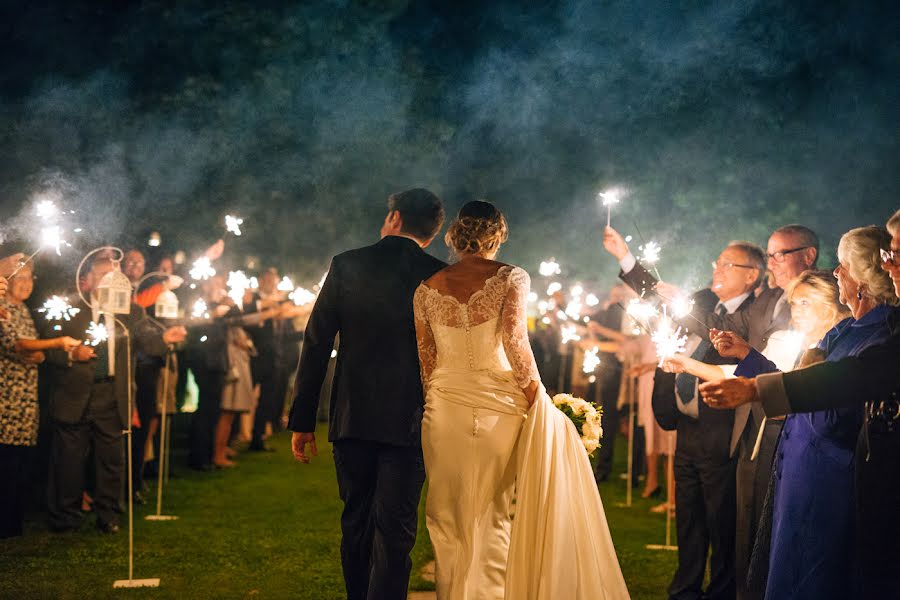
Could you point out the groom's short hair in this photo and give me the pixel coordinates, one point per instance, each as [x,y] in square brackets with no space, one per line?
[421,211]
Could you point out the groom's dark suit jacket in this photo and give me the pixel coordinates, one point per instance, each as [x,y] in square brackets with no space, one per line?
[367,298]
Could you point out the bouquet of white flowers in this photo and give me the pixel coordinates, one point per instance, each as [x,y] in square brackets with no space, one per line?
[586,417]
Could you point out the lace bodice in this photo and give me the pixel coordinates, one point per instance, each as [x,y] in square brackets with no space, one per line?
[489,331]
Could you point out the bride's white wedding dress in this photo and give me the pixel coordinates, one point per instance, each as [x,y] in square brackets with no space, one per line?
[512,508]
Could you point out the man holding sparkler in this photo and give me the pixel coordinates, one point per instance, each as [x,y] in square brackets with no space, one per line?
[791,250]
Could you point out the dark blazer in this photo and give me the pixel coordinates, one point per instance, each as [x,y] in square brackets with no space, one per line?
[377,390]
[716,425]
[874,375]
[755,323]
[277,344]
[72,381]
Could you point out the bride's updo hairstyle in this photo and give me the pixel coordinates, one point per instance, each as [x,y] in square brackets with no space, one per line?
[479,228]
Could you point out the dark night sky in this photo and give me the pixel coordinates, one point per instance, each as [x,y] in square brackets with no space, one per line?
[725,119]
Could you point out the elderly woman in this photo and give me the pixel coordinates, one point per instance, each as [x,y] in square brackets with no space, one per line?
[20,353]
[811,547]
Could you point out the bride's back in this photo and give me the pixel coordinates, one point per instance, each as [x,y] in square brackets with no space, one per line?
[463,279]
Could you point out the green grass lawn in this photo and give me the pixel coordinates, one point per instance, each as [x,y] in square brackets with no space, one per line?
[266,529]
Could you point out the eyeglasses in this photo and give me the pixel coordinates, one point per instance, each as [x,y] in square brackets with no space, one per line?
[728,266]
[779,256]
[890,257]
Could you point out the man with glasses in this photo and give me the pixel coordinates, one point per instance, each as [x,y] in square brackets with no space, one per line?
[791,250]
[871,379]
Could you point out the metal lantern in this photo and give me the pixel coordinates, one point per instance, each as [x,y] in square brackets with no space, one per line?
[166,306]
[114,293]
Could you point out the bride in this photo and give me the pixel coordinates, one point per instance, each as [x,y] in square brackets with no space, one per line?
[512,508]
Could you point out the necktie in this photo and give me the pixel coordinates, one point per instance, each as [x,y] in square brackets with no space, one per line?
[686,384]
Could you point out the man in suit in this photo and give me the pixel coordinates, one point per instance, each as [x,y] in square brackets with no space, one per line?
[609,379]
[277,350]
[871,379]
[704,467]
[90,408]
[377,402]
[791,250]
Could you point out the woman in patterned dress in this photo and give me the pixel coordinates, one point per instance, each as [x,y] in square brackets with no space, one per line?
[20,353]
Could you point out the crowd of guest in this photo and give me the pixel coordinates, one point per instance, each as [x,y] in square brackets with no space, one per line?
[777,507]
[746,486]
[66,400]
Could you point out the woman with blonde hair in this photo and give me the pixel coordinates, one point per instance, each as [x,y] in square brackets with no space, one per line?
[812,541]
[490,431]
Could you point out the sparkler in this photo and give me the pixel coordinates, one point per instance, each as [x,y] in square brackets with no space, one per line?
[608,198]
[549,268]
[591,300]
[285,285]
[651,253]
[591,360]
[238,284]
[233,224]
[568,334]
[302,296]
[639,309]
[96,334]
[573,308]
[46,209]
[553,288]
[667,338]
[202,269]
[681,306]
[57,308]
[532,297]
[200,310]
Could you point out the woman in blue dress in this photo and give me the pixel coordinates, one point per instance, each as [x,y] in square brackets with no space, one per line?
[813,520]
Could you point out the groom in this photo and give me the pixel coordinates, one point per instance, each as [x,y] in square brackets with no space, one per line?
[377,403]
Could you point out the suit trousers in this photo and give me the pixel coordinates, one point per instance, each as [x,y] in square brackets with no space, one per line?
[752,485]
[380,486]
[206,417]
[272,392]
[101,427]
[705,517]
[14,475]
[877,507]
[609,420]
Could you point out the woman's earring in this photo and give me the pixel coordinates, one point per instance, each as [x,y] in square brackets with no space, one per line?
[859,294]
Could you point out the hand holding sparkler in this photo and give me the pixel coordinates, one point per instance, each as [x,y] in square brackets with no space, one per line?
[614,243]
[82,353]
[174,335]
[728,343]
[8,265]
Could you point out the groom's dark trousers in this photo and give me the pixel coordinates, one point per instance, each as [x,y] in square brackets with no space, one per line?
[376,408]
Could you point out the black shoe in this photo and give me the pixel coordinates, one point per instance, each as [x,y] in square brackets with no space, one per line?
[204,468]
[108,527]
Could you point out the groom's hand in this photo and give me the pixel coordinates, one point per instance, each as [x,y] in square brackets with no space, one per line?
[298,445]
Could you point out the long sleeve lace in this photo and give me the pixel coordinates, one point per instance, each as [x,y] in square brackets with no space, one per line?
[514,327]
[424,337]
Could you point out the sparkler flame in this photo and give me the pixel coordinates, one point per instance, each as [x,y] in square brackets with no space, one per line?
[238,284]
[46,209]
[549,268]
[591,361]
[667,339]
[302,296]
[233,224]
[200,310]
[285,285]
[568,334]
[611,196]
[202,269]
[681,306]
[96,334]
[51,237]
[591,300]
[651,253]
[57,308]
[553,288]
[640,310]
